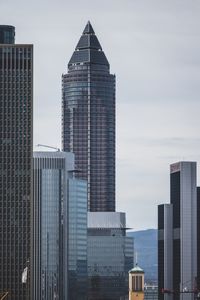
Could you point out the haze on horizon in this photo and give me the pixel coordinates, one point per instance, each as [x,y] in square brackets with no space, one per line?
[153,47]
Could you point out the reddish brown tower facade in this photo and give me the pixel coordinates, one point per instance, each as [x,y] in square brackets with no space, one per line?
[88,119]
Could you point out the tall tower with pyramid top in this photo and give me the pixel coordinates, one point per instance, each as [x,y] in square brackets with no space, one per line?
[88,119]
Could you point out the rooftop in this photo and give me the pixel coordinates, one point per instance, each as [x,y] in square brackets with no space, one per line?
[88,49]
[136,269]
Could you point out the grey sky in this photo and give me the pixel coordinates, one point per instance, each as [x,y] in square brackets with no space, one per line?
[153,47]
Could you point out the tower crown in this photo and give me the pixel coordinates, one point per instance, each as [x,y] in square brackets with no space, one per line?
[88,49]
[7,34]
[88,29]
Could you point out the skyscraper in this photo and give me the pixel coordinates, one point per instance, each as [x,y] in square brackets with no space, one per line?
[50,212]
[60,228]
[88,119]
[88,130]
[16,102]
[177,234]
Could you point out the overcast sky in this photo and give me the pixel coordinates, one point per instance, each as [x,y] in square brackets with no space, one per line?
[153,47]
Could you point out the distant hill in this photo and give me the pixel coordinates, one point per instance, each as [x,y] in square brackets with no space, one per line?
[145,244]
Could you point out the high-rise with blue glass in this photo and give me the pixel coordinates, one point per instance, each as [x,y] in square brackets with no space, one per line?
[60,228]
[77,239]
[88,119]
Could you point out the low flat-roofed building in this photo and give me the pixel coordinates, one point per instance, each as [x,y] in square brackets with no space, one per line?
[110,255]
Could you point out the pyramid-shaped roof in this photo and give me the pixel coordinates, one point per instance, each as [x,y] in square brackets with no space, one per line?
[88,41]
[136,269]
[88,49]
[88,29]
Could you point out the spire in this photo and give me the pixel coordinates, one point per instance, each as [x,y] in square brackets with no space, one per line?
[88,29]
[88,49]
[88,40]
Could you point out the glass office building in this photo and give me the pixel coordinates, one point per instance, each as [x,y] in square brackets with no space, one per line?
[177,235]
[110,256]
[16,138]
[77,239]
[50,223]
[88,119]
[60,230]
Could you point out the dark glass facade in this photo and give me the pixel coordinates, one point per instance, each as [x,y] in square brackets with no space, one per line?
[16,88]
[110,257]
[175,201]
[175,188]
[161,265]
[178,229]
[176,268]
[49,193]
[7,34]
[198,238]
[88,119]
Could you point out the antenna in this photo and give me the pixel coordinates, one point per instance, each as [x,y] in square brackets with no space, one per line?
[47,146]
[136,258]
